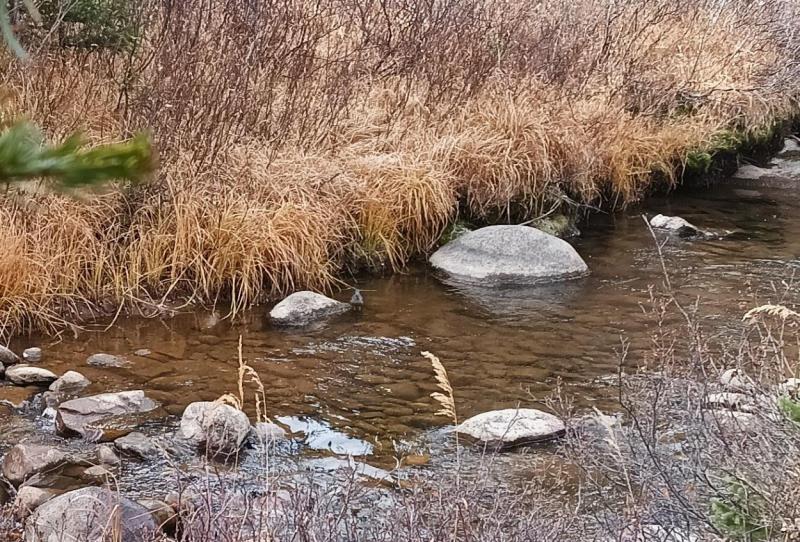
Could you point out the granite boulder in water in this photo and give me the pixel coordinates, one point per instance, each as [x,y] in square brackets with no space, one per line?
[509,255]
[512,427]
[24,375]
[303,308]
[219,428]
[88,514]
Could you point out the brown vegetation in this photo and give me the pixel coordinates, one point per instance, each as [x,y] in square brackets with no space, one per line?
[301,139]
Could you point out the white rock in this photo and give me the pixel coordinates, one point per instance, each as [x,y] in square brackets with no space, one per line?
[219,428]
[70,382]
[509,255]
[675,224]
[32,355]
[107,360]
[303,308]
[790,386]
[512,427]
[266,432]
[24,375]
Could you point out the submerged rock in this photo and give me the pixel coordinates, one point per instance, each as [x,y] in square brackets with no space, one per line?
[32,355]
[7,357]
[219,428]
[303,308]
[23,375]
[81,416]
[107,360]
[675,224]
[136,444]
[70,382]
[512,427]
[515,255]
[86,514]
[24,460]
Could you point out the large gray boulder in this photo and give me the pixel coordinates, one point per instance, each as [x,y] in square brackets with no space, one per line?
[515,255]
[24,375]
[82,416]
[303,308]
[24,460]
[90,514]
[217,427]
[512,427]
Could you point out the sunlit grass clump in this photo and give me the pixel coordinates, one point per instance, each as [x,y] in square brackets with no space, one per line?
[300,141]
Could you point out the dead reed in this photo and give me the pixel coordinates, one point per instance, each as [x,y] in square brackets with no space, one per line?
[299,140]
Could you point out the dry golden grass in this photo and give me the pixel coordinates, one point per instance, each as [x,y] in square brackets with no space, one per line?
[299,140]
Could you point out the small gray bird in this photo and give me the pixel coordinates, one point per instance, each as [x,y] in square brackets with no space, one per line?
[357,301]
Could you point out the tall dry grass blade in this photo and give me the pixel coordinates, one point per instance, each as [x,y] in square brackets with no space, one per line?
[446,399]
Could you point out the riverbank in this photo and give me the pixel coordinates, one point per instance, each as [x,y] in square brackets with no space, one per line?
[300,143]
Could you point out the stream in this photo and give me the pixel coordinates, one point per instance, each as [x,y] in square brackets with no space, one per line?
[358,385]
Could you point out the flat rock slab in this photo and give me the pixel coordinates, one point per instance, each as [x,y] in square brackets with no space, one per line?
[512,427]
[509,255]
[781,173]
[81,416]
[107,360]
[24,375]
[86,514]
[303,308]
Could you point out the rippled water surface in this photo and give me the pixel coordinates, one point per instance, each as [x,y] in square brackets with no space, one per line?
[358,384]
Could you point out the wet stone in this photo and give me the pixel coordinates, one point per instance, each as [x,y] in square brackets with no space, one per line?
[70,382]
[107,360]
[7,357]
[137,445]
[23,375]
[512,427]
[32,355]
[82,416]
[107,456]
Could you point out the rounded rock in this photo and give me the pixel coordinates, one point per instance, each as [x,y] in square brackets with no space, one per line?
[24,375]
[303,308]
[512,427]
[70,382]
[7,357]
[32,355]
[509,255]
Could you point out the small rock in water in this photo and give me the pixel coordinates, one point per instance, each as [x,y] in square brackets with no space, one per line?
[512,427]
[558,224]
[29,499]
[24,460]
[791,148]
[221,429]
[70,382]
[107,360]
[266,432]
[7,357]
[675,224]
[509,255]
[136,444]
[107,456]
[85,514]
[303,308]
[23,375]
[32,355]
[143,352]
[357,300]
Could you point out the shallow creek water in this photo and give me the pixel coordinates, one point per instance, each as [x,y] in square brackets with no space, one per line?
[358,384]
